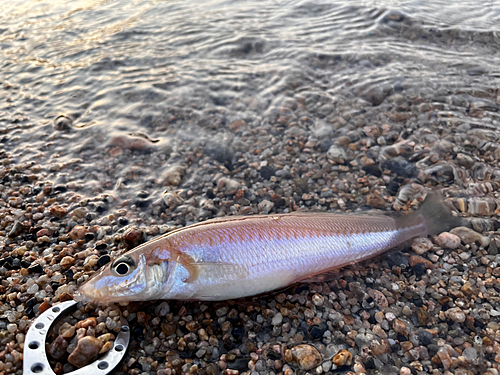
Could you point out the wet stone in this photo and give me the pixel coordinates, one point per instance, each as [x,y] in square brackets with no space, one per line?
[306,356]
[469,236]
[401,167]
[421,245]
[342,358]
[470,353]
[103,260]
[57,349]
[16,230]
[336,154]
[363,339]
[267,172]
[317,331]
[455,314]
[85,352]
[277,319]
[448,240]
[397,259]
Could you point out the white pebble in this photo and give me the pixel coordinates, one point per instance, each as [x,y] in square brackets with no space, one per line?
[32,289]
[12,327]
[277,319]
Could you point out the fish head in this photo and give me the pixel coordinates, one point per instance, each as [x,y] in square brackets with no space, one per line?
[128,278]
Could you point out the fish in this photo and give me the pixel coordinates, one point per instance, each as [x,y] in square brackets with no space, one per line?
[240,256]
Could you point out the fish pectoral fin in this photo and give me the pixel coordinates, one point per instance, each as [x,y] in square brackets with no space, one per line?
[221,270]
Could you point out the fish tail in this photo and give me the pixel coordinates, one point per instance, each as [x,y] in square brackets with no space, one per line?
[436,214]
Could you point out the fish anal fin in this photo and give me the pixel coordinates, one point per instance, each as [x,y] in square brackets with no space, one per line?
[323,277]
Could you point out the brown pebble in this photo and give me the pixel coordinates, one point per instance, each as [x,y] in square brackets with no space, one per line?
[400,327]
[89,322]
[445,358]
[69,333]
[467,288]
[67,262]
[379,298]
[58,347]
[342,358]
[116,151]
[378,349]
[423,316]
[107,345]
[236,125]
[377,329]
[107,337]
[65,297]
[306,356]
[86,351]
[58,211]
[132,237]
[130,143]
[417,259]
[44,232]
[78,232]
[287,355]
[455,314]
[44,307]
[406,346]
[58,368]
[421,245]
[375,201]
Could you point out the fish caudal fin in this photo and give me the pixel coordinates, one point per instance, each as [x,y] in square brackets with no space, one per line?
[438,217]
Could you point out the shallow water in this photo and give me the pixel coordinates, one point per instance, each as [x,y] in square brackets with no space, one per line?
[179,73]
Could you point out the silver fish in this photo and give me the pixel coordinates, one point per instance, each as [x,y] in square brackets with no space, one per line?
[236,257]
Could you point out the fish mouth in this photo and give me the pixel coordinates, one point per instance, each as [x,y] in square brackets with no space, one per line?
[103,287]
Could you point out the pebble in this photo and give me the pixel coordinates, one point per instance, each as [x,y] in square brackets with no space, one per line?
[469,236]
[89,322]
[448,240]
[421,245]
[57,348]
[400,327]
[336,154]
[318,299]
[86,351]
[342,358]
[12,327]
[78,232]
[277,319]
[265,206]
[306,356]
[67,262]
[455,314]
[107,345]
[470,354]
[283,164]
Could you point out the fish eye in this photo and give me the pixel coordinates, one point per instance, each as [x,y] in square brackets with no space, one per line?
[123,265]
[122,268]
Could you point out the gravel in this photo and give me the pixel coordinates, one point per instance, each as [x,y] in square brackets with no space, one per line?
[428,307]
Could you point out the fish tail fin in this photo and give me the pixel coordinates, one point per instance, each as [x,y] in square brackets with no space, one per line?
[437,215]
